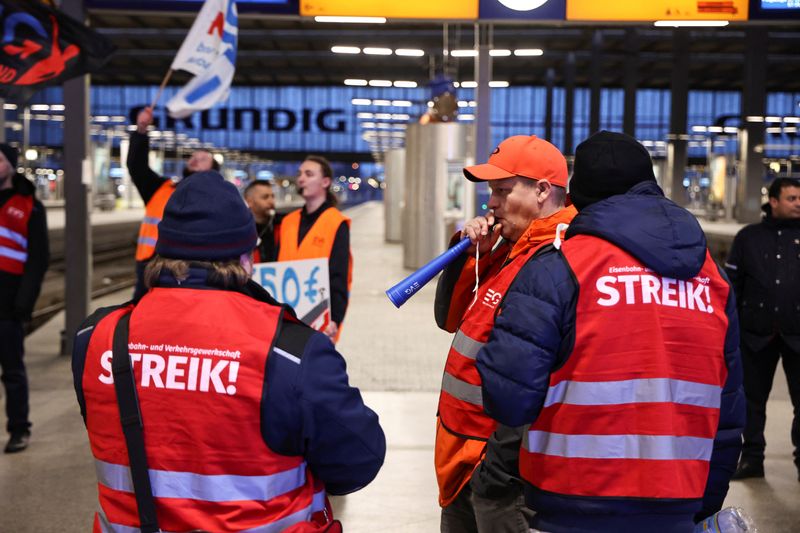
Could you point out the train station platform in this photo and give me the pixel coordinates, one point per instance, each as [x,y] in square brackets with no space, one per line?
[395,356]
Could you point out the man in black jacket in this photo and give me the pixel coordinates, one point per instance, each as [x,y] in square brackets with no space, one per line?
[24,256]
[764,267]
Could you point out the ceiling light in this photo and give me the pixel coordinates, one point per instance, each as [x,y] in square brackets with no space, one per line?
[469,84]
[715,129]
[40,107]
[360,101]
[466,117]
[699,129]
[345,49]
[401,116]
[355,83]
[774,130]
[690,23]
[528,52]
[381,102]
[352,20]
[772,119]
[401,103]
[754,118]
[730,129]
[791,120]
[500,52]
[380,83]
[378,51]
[405,84]
[367,124]
[498,84]
[409,52]
[463,53]
[365,115]
[10,107]
[57,107]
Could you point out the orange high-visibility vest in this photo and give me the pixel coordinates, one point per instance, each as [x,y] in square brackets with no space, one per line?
[14,217]
[148,231]
[633,411]
[200,391]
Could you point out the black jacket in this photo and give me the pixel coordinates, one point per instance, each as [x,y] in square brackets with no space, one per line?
[146,181]
[764,268]
[18,294]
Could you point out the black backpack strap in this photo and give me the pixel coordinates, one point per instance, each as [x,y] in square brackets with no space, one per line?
[131,417]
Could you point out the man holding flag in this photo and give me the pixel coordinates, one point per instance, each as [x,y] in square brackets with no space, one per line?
[208,52]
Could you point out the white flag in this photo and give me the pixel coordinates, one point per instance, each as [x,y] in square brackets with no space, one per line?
[209,52]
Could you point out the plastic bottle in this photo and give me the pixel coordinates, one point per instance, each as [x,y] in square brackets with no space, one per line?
[728,520]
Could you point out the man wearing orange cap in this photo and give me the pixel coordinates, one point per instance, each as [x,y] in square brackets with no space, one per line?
[476,459]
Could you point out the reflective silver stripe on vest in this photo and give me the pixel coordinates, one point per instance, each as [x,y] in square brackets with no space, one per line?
[658,447]
[151,220]
[13,236]
[147,240]
[462,390]
[317,504]
[466,346]
[634,391]
[16,255]
[211,488]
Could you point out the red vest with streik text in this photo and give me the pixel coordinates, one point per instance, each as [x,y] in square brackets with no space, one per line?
[460,400]
[634,410]
[199,360]
[14,217]
[153,212]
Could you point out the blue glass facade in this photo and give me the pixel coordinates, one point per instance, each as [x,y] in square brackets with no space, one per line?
[324,119]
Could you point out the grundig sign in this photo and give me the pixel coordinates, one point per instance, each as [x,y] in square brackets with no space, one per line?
[255,119]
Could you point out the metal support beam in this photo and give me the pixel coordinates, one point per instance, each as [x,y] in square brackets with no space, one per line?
[483,94]
[77,282]
[677,152]
[569,104]
[595,82]
[754,103]
[550,80]
[630,82]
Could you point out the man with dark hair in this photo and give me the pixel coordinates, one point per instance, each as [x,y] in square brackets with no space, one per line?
[247,416]
[155,190]
[618,350]
[260,198]
[764,267]
[24,256]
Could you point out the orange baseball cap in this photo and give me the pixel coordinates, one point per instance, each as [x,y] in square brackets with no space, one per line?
[522,155]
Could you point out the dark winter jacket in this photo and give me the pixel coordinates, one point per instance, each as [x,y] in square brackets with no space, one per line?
[18,294]
[535,334]
[764,268]
[146,181]
[308,407]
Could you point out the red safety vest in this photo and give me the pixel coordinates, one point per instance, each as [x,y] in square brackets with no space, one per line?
[634,410]
[153,212]
[199,360]
[14,217]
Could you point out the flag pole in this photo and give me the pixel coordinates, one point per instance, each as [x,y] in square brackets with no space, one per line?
[161,89]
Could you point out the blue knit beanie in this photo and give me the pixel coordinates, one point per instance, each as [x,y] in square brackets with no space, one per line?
[206,219]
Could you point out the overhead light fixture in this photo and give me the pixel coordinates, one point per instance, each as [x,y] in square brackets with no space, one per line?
[401,103]
[355,82]
[754,118]
[528,52]
[774,130]
[365,115]
[715,129]
[500,52]
[409,52]
[466,117]
[497,84]
[40,107]
[772,119]
[345,49]
[381,102]
[361,101]
[10,107]
[699,129]
[791,120]
[469,84]
[374,51]
[691,23]
[405,84]
[380,83]
[730,129]
[352,20]
[463,53]
[57,107]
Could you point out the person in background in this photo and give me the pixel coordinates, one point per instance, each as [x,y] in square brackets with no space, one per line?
[248,419]
[475,459]
[24,257]
[619,352]
[260,198]
[155,190]
[764,268]
[319,230]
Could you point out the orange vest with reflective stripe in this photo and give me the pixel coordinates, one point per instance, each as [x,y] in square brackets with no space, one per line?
[634,410]
[148,231]
[199,377]
[14,217]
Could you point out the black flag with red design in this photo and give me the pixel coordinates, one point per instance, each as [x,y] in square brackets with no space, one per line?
[41,46]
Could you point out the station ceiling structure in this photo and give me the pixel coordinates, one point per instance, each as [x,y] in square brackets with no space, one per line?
[292,50]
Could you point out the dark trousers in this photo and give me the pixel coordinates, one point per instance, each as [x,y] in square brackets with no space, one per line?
[14,378]
[759,371]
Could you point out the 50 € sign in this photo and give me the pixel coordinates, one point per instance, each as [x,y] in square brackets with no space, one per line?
[304,285]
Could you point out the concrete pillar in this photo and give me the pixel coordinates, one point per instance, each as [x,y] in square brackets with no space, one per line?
[569,104]
[630,82]
[677,150]
[596,82]
[754,103]
[550,79]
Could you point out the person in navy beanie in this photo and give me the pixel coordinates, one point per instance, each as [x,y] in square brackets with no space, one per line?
[235,393]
